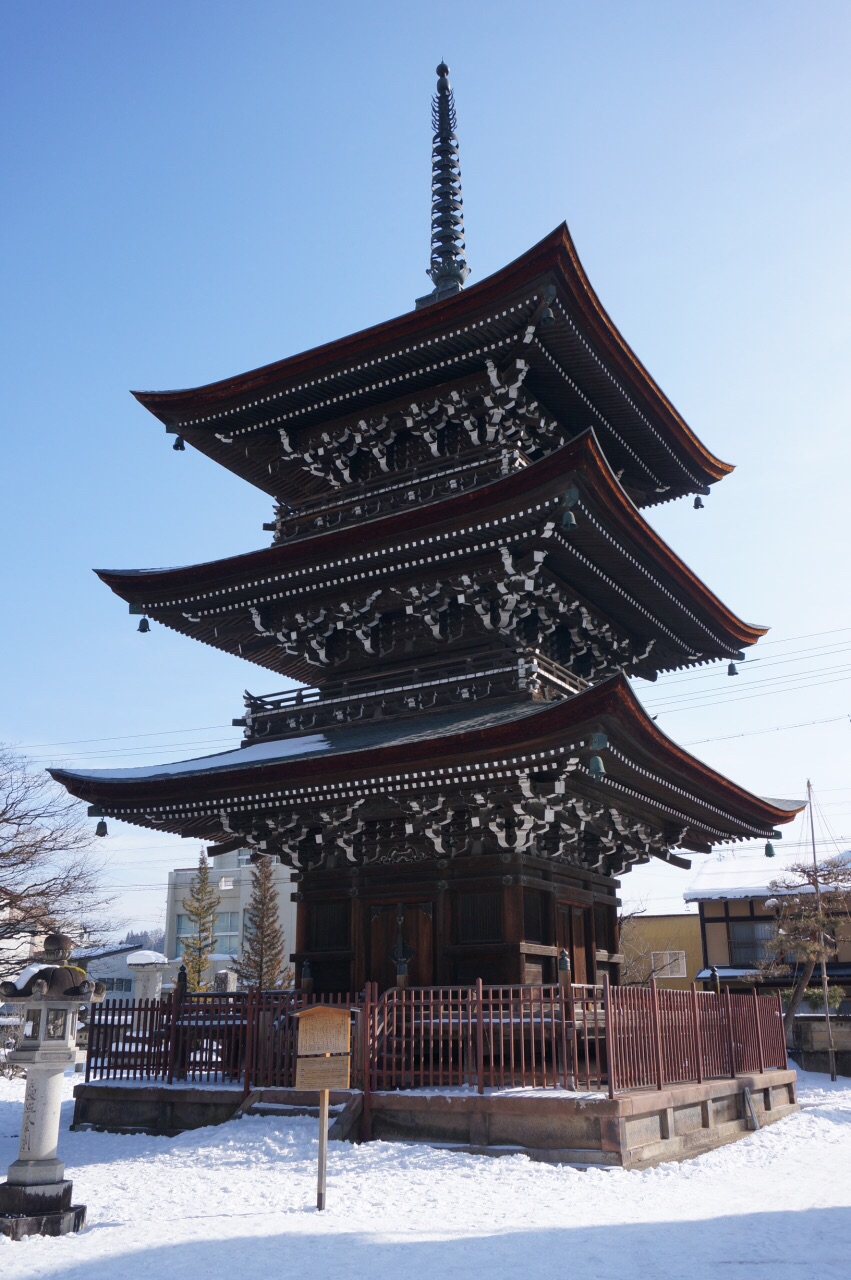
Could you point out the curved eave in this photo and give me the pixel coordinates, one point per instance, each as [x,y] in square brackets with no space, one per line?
[582,458]
[611,707]
[624,358]
[553,260]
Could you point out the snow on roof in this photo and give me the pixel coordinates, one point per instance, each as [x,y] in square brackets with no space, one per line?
[147,957]
[724,971]
[98,953]
[344,739]
[748,874]
[280,749]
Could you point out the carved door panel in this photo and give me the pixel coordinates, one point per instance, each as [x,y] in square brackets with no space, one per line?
[416,928]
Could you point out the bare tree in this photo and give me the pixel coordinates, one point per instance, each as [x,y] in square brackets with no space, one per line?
[148,939]
[643,958]
[810,903]
[49,879]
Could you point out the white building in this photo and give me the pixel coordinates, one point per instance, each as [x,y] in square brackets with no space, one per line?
[230,876]
[108,964]
[16,946]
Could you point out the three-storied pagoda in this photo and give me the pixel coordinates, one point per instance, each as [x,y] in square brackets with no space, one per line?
[461,575]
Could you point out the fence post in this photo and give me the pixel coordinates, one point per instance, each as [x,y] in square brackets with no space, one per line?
[373,1069]
[698,1035]
[176,1005]
[732,1043]
[609,1030]
[366,1066]
[92,1038]
[657,1033]
[760,1051]
[782,1031]
[480,1038]
[249,1041]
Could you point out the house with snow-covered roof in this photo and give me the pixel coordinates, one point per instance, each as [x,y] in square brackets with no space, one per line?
[737,923]
[108,964]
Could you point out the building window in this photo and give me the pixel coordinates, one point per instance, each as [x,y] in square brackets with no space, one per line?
[668,964]
[118,984]
[226,940]
[184,927]
[749,940]
[226,882]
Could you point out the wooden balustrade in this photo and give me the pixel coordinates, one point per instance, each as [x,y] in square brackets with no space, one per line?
[579,1037]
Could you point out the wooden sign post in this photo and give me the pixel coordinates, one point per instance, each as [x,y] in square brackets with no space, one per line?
[323,1062]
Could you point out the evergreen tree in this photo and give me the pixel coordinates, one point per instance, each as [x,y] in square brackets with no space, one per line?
[262,963]
[811,903]
[200,907]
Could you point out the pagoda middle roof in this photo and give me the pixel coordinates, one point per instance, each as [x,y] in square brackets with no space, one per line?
[613,558]
[580,367]
[646,772]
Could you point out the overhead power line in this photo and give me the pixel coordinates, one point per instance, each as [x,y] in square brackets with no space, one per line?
[776,728]
[722,700]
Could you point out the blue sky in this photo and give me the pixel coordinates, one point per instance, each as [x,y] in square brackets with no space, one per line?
[193,190]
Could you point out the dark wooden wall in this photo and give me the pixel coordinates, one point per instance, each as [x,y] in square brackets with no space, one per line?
[503,919]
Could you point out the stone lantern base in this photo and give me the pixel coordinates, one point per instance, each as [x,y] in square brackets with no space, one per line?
[44,1210]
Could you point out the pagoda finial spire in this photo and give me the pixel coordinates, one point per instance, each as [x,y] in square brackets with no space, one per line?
[448,269]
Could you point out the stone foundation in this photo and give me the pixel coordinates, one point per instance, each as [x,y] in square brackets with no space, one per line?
[631,1131]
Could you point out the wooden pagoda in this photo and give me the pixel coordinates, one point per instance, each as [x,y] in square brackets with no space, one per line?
[461,577]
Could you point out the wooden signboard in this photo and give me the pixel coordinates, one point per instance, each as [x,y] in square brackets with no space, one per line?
[322,1072]
[323,1029]
[323,1062]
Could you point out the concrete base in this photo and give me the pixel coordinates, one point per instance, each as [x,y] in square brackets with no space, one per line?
[44,1224]
[51,1197]
[810,1043]
[38,1174]
[154,1108]
[39,1210]
[632,1131]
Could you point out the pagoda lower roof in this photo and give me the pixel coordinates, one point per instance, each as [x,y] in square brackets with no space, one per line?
[646,772]
[580,368]
[612,558]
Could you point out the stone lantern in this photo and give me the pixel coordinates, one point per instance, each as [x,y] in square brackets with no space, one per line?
[36,1196]
[147,968]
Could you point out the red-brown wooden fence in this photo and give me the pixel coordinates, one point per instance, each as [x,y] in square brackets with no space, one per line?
[577,1037]
[659,1037]
[244,1037]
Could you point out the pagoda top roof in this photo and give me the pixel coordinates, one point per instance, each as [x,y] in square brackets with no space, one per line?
[645,769]
[580,367]
[614,553]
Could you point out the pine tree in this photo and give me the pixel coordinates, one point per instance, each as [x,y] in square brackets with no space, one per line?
[262,963]
[200,906]
[811,903]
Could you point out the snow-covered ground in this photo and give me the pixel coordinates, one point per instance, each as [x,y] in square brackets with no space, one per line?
[237,1202]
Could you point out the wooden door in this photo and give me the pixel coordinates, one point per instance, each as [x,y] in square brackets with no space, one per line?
[417,939]
[578,952]
[573,935]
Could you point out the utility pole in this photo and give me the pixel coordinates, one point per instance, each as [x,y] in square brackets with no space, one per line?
[831,1052]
